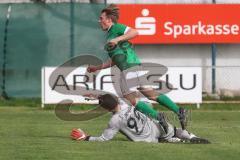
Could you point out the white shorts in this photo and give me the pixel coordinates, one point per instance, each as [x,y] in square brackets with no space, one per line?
[132,79]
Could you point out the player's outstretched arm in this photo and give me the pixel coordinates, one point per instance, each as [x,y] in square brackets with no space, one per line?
[130,34]
[109,63]
[79,135]
[108,133]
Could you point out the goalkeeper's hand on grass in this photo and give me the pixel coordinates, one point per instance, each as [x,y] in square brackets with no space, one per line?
[78,134]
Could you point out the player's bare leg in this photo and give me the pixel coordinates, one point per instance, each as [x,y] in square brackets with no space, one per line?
[132,98]
[141,106]
[148,92]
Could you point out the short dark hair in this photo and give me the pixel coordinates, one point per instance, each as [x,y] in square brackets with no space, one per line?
[112,12]
[108,101]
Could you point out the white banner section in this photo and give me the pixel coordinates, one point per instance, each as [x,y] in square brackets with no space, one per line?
[186,84]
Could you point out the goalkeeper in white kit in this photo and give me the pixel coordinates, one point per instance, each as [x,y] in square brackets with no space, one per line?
[136,126]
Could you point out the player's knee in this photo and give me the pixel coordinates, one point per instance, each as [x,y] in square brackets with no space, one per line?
[132,101]
[153,98]
[132,98]
[149,93]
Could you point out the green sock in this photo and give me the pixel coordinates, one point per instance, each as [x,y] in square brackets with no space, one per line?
[167,102]
[146,109]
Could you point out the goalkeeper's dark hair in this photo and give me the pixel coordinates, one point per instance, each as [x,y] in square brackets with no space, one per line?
[108,101]
[112,12]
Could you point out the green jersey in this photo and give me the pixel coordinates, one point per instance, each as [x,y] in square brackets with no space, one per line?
[123,55]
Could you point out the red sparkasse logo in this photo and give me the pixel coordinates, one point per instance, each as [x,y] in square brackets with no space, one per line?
[195,23]
[145,25]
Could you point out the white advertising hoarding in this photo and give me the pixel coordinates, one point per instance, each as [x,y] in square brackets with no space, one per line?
[186,84]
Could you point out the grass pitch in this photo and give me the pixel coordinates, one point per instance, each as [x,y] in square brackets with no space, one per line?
[28,133]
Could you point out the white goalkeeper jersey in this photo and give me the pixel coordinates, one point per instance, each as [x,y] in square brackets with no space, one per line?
[134,125]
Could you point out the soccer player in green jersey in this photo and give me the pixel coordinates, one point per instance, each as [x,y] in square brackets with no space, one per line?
[123,55]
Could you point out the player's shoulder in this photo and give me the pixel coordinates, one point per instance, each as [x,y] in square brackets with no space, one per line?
[123,109]
[114,120]
[119,26]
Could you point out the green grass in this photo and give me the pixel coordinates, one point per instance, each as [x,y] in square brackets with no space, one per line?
[30,102]
[28,133]
[36,102]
